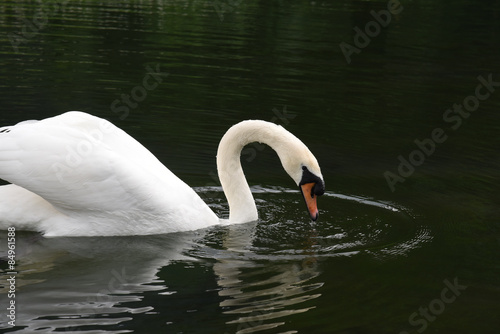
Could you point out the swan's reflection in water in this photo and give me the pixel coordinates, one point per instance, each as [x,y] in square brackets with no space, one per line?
[261,293]
[227,279]
[86,284]
[264,304]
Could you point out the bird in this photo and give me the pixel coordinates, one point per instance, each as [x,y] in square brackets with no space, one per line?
[76,174]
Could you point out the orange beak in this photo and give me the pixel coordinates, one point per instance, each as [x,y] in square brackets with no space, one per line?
[310,198]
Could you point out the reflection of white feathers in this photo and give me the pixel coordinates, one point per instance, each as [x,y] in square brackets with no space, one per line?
[264,296]
[65,282]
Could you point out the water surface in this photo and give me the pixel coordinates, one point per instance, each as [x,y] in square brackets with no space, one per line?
[377,255]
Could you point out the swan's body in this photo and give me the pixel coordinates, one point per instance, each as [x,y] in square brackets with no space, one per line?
[79,175]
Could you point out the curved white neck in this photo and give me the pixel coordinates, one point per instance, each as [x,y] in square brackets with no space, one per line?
[242,206]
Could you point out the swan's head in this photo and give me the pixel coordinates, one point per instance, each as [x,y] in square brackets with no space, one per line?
[311,186]
[304,169]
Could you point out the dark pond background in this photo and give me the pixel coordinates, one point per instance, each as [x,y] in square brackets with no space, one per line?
[420,257]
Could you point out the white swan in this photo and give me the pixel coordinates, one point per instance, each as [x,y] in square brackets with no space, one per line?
[79,175]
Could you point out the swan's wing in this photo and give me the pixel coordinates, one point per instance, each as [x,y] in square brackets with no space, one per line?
[78,162]
[23,209]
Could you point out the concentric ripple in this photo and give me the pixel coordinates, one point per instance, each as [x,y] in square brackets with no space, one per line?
[270,269]
[347,225]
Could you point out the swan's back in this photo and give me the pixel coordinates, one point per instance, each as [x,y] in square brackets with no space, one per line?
[98,179]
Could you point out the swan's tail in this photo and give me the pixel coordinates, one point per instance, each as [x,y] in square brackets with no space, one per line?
[22,209]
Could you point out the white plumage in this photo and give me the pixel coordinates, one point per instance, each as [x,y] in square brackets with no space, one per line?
[79,175]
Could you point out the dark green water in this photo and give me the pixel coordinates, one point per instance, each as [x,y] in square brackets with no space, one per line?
[420,256]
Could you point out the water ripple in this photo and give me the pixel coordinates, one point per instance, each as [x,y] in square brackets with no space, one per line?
[271,269]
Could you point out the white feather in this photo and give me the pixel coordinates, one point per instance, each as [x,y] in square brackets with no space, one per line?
[97,178]
[79,175]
